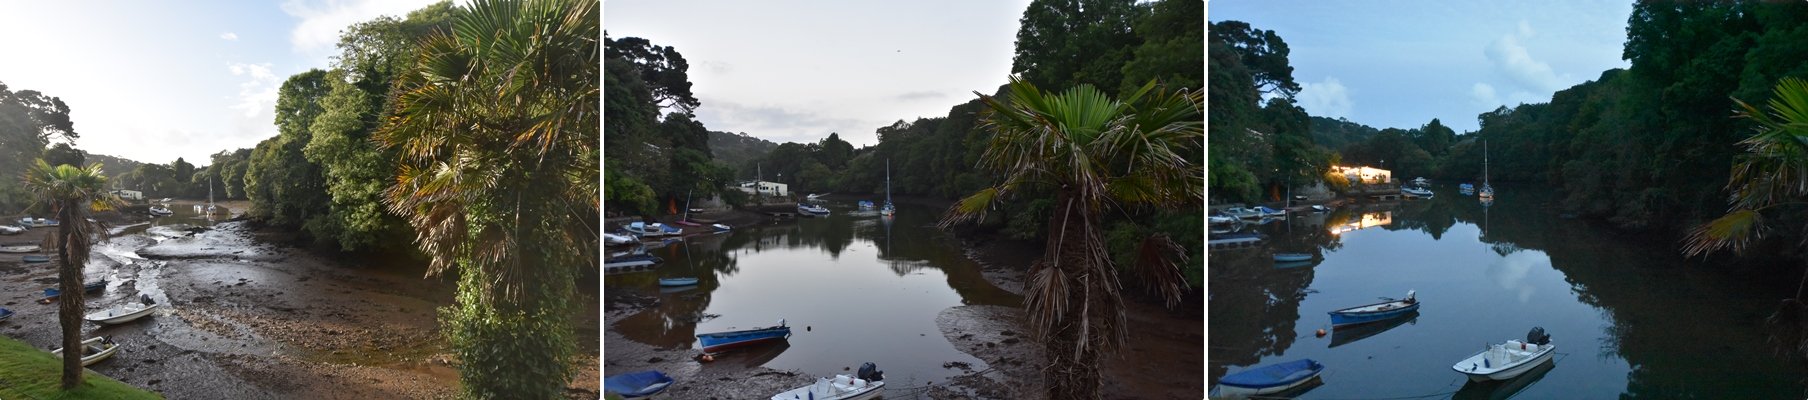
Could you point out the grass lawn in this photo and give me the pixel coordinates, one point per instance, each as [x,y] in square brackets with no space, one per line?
[30,373]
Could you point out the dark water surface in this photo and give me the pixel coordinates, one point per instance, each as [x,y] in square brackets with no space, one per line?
[867,288]
[1630,317]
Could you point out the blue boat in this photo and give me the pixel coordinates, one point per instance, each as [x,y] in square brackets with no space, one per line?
[637,384]
[1375,312]
[1270,379]
[5,313]
[866,204]
[719,341]
[677,281]
[36,259]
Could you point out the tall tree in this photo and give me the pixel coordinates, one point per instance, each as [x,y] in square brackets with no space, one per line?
[1172,37]
[285,188]
[497,128]
[28,120]
[1263,52]
[662,68]
[1095,153]
[72,194]
[1066,43]
[63,154]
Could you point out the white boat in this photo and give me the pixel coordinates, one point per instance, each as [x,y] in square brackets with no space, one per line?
[1508,360]
[19,248]
[1220,219]
[721,227]
[645,230]
[30,222]
[816,196]
[161,211]
[618,240]
[812,210]
[93,350]
[12,229]
[843,387]
[1487,191]
[123,313]
[889,209]
[1418,188]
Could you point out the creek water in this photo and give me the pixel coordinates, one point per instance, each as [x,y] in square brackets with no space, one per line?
[854,287]
[1631,317]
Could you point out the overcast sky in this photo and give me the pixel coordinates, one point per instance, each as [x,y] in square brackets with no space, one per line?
[794,71]
[152,81]
[1401,63]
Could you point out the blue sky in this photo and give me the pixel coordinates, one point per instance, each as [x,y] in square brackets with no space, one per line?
[794,71]
[1401,63]
[152,81]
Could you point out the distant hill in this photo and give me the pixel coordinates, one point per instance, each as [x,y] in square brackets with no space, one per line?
[738,151]
[112,166]
[1335,134]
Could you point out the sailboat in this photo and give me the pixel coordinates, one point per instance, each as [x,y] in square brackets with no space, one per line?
[889,209]
[1487,191]
[210,207]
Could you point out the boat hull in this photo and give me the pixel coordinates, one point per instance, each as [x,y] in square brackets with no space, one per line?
[1290,257]
[1270,379]
[1346,317]
[672,282]
[115,316]
[1507,372]
[721,341]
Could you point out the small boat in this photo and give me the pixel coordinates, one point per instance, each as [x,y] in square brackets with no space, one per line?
[1216,219]
[1508,360]
[866,385]
[889,209]
[30,222]
[670,230]
[1269,212]
[673,282]
[93,350]
[33,259]
[1270,379]
[816,196]
[1503,390]
[1487,192]
[619,240]
[160,211]
[1466,188]
[1319,208]
[123,313]
[719,341]
[12,229]
[637,260]
[1346,334]
[866,204]
[1375,312]
[721,227]
[19,248]
[1293,264]
[812,210]
[637,384]
[1233,240]
[645,230]
[5,313]
[1290,257]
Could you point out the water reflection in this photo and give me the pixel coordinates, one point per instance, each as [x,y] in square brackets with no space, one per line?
[854,287]
[1650,324]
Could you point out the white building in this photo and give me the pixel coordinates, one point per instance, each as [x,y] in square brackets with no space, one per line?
[766,188]
[129,194]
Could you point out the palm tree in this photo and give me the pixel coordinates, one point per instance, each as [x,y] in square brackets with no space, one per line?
[1772,174]
[498,126]
[1096,154]
[71,193]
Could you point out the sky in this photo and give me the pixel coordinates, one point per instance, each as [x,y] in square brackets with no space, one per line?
[1398,64]
[794,71]
[153,81]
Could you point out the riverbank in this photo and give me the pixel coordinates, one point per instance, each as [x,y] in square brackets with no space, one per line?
[245,315]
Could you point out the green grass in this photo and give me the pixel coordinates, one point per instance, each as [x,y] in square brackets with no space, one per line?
[30,373]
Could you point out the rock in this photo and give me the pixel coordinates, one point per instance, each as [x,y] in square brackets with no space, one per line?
[654,360]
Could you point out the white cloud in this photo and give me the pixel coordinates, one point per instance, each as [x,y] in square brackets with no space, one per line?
[1525,29]
[257,90]
[1328,98]
[1511,58]
[229,36]
[1484,94]
[322,20]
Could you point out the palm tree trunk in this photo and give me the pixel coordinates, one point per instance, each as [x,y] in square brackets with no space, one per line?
[69,276]
[1073,371]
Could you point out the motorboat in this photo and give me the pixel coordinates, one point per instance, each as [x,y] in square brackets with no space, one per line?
[866,384]
[93,350]
[1507,360]
[123,313]
[619,240]
[1375,312]
[645,229]
[161,211]
[719,341]
[812,210]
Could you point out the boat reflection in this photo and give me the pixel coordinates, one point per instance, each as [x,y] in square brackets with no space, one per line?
[1350,333]
[753,356]
[1496,390]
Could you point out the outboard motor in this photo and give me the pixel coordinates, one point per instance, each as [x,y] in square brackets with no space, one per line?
[870,372]
[146,299]
[1538,337]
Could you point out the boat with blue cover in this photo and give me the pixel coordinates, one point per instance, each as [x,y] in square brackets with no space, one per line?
[637,384]
[5,313]
[1271,379]
[1375,312]
[719,341]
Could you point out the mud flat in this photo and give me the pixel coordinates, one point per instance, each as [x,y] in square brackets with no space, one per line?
[245,318]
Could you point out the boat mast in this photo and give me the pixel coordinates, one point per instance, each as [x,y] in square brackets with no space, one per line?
[888,181]
[1485,163]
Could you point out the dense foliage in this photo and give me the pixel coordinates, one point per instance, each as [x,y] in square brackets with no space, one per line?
[669,156]
[28,121]
[496,128]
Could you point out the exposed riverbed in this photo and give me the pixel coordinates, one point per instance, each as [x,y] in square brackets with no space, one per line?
[247,316]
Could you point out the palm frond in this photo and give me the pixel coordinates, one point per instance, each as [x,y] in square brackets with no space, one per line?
[1736,230]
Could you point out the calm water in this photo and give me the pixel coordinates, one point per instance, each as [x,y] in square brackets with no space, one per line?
[1630,318]
[866,288]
